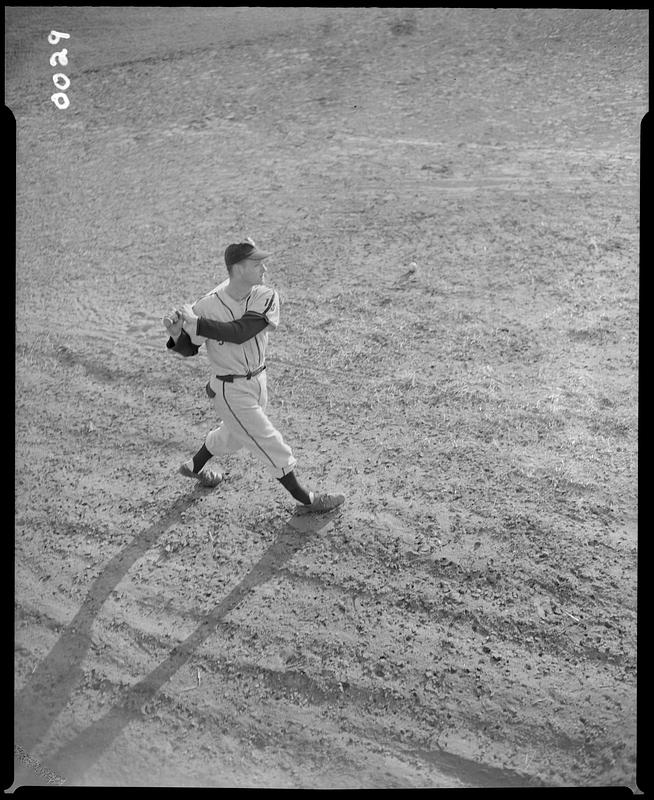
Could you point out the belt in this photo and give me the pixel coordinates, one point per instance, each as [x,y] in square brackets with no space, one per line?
[251,374]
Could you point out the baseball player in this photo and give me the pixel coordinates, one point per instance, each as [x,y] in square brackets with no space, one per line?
[233,321]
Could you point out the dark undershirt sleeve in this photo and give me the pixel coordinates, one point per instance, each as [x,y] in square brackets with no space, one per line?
[184,346]
[236,332]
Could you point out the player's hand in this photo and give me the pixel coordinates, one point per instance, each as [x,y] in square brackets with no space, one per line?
[190,318]
[173,323]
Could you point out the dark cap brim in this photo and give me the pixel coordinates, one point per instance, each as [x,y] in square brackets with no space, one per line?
[258,255]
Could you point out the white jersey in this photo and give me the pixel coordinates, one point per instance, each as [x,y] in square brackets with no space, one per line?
[237,359]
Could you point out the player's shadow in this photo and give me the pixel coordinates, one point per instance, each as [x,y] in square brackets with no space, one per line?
[48,689]
[75,758]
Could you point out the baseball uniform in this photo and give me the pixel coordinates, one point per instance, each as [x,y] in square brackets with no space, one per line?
[235,332]
[238,381]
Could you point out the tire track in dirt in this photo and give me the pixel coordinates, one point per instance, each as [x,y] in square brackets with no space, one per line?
[49,687]
[138,702]
[465,613]
[297,688]
[272,681]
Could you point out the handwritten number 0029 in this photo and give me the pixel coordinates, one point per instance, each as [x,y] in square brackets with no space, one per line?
[61,81]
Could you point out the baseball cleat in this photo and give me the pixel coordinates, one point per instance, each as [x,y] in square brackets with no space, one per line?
[207,477]
[322,503]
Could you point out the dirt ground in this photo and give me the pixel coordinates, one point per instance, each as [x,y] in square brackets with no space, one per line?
[468,619]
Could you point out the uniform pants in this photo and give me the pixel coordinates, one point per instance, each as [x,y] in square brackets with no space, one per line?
[241,406]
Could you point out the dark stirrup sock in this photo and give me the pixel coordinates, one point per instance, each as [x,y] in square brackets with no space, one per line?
[201,458]
[289,482]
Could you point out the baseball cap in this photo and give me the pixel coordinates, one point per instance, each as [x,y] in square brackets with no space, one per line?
[242,250]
